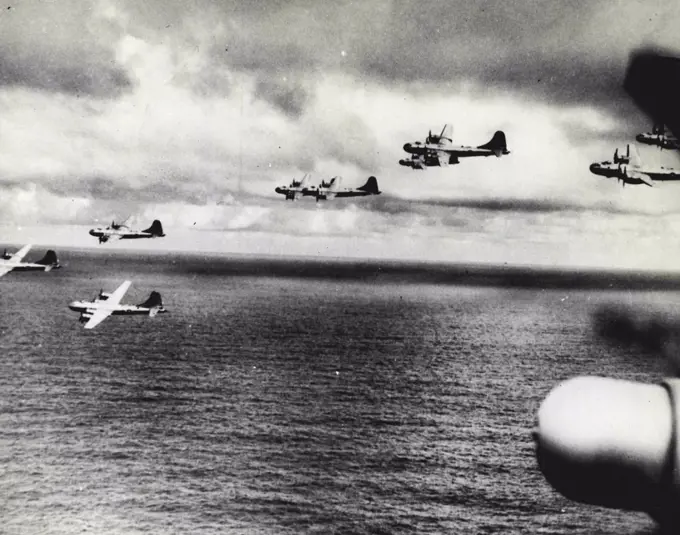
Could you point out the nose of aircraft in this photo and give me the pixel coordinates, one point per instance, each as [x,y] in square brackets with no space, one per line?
[73,305]
[92,232]
[408,148]
[594,168]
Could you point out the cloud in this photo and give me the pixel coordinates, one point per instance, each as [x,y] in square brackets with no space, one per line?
[55,48]
[548,50]
[26,205]
[195,113]
[289,97]
[37,72]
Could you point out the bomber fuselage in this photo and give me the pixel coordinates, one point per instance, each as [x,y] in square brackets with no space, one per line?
[117,310]
[120,234]
[618,171]
[658,140]
[427,149]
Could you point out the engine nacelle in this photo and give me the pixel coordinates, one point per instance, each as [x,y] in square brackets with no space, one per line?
[415,163]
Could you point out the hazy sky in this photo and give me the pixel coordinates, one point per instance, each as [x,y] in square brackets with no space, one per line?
[192,112]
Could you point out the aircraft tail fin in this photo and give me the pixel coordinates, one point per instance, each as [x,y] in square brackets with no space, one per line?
[497,144]
[371,186]
[154,301]
[50,260]
[156,229]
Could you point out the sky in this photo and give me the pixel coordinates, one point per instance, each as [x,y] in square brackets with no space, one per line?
[193,112]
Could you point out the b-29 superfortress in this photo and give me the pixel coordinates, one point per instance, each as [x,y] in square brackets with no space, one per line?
[439,150]
[92,313]
[13,261]
[660,136]
[327,190]
[121,231]
[629,169]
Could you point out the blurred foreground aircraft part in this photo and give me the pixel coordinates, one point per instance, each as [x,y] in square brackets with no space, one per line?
[652,334]
[653,81]
[610,442]
[614,443]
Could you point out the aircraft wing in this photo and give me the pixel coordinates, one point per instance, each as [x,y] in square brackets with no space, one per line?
[447,132]
[8,265]
[19,255]
[304,183]
[642,177]
[113,236]
[125,223]
[97,316]
[118,294]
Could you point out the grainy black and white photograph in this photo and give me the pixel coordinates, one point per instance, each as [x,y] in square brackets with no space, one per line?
[376,267]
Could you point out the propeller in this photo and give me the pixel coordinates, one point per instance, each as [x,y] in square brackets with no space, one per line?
[623,174]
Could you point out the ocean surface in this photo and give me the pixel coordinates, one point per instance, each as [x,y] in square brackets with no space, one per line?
[281,397]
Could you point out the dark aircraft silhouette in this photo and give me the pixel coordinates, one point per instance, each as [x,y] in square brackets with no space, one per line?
[120,231]
[439,150]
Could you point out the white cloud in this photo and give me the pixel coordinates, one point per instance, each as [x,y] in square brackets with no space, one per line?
[201,144]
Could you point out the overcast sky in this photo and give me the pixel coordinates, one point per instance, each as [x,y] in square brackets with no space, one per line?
[192,112]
